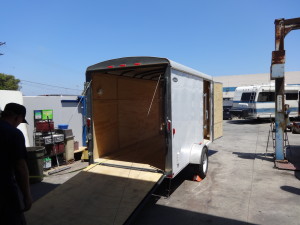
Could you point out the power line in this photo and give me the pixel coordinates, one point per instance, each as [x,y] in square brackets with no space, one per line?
[50,85]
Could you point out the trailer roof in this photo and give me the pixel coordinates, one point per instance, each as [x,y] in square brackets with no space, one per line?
[143,61]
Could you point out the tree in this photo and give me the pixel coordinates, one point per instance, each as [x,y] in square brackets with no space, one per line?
[8,82]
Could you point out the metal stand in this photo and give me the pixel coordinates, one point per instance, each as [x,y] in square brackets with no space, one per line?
[271,134]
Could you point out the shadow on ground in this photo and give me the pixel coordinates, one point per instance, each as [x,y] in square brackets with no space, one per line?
[38,190]
[168,186]
[250,122]
[263,156]
[159,214]
[291,189]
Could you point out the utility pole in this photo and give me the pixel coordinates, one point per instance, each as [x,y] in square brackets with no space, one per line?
[282,28]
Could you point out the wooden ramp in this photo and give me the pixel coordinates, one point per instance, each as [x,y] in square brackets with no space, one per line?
[103,194]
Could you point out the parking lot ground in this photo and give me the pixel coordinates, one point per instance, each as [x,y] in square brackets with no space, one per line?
[242,185]
[50,182]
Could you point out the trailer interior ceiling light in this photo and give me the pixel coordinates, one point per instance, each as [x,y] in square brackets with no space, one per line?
[100,91]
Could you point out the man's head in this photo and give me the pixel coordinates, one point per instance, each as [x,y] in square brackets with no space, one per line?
[15,113]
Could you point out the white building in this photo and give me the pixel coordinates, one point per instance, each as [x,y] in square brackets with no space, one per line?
[66,110]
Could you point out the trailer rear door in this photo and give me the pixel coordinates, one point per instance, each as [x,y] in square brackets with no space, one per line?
[106,193]
[218,110]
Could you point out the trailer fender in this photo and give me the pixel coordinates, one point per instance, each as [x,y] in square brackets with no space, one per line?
[196,152]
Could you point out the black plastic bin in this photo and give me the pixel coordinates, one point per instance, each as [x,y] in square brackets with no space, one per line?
[35,162]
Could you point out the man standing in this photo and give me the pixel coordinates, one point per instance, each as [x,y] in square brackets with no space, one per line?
[13,167]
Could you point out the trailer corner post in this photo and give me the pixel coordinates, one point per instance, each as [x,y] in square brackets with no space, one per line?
[282,28]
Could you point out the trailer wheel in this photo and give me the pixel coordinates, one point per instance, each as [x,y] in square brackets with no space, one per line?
[202,168]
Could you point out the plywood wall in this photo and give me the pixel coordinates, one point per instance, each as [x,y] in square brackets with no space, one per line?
[218,110]
[120,112]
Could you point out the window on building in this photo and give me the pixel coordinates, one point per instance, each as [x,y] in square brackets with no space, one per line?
[266,97]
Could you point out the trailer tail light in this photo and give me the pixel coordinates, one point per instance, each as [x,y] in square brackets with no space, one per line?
[137,64]
[174,131]
[169,125]
[170,176]
[110,67]
[88,122]
[122,65]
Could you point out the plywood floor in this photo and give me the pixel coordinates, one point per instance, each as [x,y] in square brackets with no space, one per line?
[151,151]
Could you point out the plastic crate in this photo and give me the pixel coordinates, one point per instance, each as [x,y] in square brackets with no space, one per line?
[59,147]
[44,126]
[63,126]
[56,138]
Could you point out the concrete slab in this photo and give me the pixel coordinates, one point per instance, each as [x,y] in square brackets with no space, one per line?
[50,182]
[242,186]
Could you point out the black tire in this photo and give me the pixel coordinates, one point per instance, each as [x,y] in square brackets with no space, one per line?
[293,131]
[202,168]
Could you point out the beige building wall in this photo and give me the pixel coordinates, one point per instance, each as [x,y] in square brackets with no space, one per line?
[234,81]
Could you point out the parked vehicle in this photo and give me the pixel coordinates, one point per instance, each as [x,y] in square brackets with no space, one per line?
[295,127]
[258,101]
[142,101]
[226,113]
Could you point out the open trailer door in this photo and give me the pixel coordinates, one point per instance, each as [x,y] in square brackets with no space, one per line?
[217,110]
[105,193]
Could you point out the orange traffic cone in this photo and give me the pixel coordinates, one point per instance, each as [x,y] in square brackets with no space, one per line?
[197,178]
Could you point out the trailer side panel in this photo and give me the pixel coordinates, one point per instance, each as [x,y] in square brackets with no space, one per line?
[187,116]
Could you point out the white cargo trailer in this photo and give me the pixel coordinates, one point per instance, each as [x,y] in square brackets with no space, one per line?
[149,118]
[161,111]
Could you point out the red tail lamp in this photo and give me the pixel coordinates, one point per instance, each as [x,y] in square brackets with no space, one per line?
[88,122]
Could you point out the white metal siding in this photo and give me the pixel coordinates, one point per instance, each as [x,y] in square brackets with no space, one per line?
[187,116]
[188,70]
[62,113]
[16,97]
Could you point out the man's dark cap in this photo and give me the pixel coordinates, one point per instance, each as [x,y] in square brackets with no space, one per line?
[16,109]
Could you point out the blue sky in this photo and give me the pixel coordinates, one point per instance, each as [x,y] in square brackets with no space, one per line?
[53,42]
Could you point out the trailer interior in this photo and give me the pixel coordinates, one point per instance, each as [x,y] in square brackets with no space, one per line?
[127,109]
